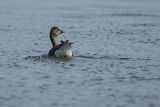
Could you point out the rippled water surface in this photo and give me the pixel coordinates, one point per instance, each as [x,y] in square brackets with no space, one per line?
[116,48]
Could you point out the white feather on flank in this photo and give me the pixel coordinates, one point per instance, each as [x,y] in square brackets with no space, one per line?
[63,53]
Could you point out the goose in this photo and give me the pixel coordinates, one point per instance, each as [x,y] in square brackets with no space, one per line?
[59,50]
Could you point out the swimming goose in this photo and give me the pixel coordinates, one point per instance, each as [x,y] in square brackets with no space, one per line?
[59,50]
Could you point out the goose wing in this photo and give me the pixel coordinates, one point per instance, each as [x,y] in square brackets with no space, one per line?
[54,49]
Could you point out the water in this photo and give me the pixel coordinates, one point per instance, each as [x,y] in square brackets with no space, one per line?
[116,48]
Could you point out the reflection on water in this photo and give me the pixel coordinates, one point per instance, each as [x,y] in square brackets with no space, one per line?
[95,56]
[116,48]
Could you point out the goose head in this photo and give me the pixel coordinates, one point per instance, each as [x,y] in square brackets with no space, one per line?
[55,31]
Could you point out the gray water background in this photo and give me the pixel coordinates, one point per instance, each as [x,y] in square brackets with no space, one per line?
[117,44]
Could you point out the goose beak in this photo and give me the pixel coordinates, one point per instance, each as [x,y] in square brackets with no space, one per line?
[61,32]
